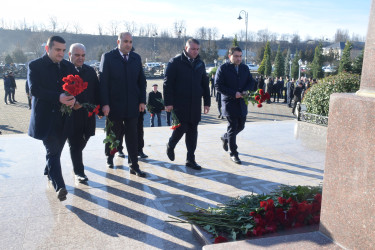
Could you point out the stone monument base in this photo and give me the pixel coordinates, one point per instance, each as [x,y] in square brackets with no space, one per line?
[348,205]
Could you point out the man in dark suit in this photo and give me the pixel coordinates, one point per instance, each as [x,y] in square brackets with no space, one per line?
[297,96]
[231,80]
[123,96]
[185,84]
[84,126]
[47,123]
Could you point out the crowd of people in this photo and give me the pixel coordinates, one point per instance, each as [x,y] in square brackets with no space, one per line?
[120,90]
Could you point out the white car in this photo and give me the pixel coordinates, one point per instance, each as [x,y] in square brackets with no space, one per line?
[252,67]
[329,69]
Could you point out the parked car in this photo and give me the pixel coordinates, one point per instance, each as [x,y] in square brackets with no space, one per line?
[252,67]
[329,69]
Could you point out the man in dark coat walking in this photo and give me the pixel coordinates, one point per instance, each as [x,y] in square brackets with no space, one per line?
[155,105]
[123,96]
[7,87]
[297,96]
[47,122]
[231,80]
[84,126]
[185,84]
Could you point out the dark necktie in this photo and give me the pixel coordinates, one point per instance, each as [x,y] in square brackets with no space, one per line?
[191,60]
[125,58]
[79,69]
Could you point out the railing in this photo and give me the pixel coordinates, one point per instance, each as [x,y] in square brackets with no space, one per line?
[309,117]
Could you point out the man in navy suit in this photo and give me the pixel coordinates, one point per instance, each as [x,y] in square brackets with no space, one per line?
[232,78]
[123,96]
[47,123]
[185,84]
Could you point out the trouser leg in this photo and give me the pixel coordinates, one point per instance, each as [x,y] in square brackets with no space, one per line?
[191,138]
[141,142]
[177,135]
[54,146]
[77,143]
[131,140]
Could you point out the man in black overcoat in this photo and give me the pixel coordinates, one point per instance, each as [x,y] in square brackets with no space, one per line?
[232,79]
[155,103]
[185,84]
[84,126]
[123,96]
[47,122]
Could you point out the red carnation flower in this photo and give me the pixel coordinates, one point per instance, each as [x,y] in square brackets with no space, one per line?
[261,91]
[113,151]
[220,239]
[263,203]
[258,231]
[259,105]
[96,109]
[91,113]
[267,95]
[257,98]
[318,198]
[253,213]
[281,200]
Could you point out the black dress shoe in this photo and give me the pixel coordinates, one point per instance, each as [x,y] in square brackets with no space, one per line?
[235,159]
[61,194]
[170,152]
[142,155]
[121,154]
[225,143]
[110,161]
[81,178]
[137,172]
[193,165]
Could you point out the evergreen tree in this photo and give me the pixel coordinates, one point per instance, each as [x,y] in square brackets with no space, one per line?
[345,62]
[266,60]
[19,56]
[317,63]
[260,54]
[358,62]
[268,66]
[235,42]
[295,66]
[8,59]
[279,64]
[286,63]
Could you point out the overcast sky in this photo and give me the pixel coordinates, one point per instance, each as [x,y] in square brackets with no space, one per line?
[316,18]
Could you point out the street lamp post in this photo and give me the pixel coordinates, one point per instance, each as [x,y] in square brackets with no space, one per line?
[246,23]
[290,69]
[154,35]
[299,68]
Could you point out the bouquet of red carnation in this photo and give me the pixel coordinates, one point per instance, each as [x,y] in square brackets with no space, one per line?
[255,97]
[175,122]
[111,138]
[74,85]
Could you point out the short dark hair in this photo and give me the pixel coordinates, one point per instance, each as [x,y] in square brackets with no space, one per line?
[192,40]
[233,49]
[52,39]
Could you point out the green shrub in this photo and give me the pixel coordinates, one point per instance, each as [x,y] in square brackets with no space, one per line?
[317,97]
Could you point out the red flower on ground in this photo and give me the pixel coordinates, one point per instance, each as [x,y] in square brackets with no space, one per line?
[318,198]
[261,91]
[220,239]
[253,213]
[267,95]
[281,200]
[271,228]
[258,231]
[259,105]
[263,203]
[257,98]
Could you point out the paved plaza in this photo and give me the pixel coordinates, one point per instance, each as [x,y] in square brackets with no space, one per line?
[116,210]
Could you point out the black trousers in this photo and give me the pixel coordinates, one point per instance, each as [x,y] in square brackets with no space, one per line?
[7,95]
[77,142]
[54,145]
[141,142]
[126,127]
[191,137]
[235,126]
[168,118]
